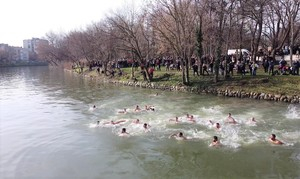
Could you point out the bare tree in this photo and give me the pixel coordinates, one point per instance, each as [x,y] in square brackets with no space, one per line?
[130,32]
[56,52]
[218,10]
[254,11]
[174,23]
[181,28]
[80,46]
[292,9]
[102,44]
[199,35]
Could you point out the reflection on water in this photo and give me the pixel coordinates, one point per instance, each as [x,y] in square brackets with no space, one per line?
[49,127]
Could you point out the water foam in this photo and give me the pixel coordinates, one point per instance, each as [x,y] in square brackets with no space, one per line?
[293,112]
[212,110]
[234,136]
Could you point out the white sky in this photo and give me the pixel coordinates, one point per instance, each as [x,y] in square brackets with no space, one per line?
[24,19]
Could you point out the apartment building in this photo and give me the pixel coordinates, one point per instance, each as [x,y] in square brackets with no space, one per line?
[11,53]
[33,44]
[29,51]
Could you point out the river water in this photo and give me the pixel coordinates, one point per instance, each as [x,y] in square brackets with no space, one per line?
[48,130]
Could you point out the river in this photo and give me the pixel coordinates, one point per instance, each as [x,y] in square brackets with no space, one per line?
[48,130]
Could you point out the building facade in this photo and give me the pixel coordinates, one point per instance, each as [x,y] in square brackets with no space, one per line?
[29,52]
[32,45]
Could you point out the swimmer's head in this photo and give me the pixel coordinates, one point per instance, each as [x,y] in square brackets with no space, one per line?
[229,114]
[180,134]
[145,125]
[218,125]
[273,136]
[98,122]
[123,130]
[215,138]
[94,106]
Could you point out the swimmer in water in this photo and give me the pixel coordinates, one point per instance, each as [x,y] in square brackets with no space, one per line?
[273,140]
[114,123]
[151,108]
[175,120]
[215,142]
[146,127]
[191,118]
[178,136]
[124,111]
[92,108]
[137,108]
[188,116]
[230,119]
[137,121]
[147,108]
[123,132]
[98,122]
[253,120]
[216,125]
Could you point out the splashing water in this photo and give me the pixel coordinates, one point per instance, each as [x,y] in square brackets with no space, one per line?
[293,112]
[244,133]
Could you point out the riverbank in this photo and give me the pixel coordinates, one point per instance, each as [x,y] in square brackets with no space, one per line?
[261,87]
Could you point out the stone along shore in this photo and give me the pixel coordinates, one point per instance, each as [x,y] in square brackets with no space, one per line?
[295,99]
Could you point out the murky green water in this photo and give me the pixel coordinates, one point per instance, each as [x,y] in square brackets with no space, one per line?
[48,130]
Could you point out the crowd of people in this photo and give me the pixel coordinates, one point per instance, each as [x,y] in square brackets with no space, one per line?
[229,64]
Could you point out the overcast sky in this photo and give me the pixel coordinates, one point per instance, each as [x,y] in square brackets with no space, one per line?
[24,19]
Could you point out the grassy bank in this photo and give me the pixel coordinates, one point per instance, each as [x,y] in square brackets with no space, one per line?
[262,83]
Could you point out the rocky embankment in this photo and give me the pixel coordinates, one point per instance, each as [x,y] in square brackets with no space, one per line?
[216,91]
[295,99]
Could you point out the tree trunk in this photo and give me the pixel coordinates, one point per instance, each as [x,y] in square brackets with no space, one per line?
[200,66]
[187,76]
[183,71]
[105,67]
[200,47]
[219,47]
[225,69]
[217,62]
[132,71]
[148,78]
[273,53]
[257,41]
